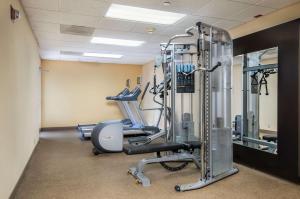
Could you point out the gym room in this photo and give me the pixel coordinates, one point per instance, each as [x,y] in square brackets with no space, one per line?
[145,99]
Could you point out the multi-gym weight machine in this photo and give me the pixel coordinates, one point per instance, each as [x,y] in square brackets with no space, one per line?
[198,127]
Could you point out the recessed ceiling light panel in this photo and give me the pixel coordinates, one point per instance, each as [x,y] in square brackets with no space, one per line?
[143,14]
[103,55]
[117,42]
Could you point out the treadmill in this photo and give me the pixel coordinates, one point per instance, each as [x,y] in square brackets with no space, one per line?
[134,125]
[139,124]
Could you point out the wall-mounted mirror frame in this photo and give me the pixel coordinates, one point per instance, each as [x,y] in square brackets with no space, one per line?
[286,163]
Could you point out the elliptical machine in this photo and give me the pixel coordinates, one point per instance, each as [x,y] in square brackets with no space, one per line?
[107,137]
[85,130]
[158,92]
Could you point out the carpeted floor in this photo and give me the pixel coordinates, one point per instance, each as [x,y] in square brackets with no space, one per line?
[64,167]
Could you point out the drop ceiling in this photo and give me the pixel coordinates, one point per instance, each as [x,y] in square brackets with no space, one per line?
[47,16]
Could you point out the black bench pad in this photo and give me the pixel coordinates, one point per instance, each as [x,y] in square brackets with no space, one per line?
[159,147]
[270,138]
[151,128]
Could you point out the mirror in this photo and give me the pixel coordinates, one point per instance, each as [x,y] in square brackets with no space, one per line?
[254,99]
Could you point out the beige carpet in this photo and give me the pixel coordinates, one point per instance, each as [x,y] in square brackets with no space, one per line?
[64,167]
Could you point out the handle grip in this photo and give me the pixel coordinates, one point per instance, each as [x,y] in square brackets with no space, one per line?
[215,67]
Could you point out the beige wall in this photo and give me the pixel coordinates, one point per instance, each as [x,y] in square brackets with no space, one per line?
[20,96]
[74,92]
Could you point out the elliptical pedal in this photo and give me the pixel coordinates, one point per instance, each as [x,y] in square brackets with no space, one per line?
[139,140]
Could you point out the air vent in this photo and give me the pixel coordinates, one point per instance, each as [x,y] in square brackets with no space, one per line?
[76,30]
[72,53]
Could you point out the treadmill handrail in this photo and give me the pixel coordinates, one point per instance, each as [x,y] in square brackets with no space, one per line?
[132,96]
[124,92]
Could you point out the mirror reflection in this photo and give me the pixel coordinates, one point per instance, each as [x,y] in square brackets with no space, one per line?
[254,99]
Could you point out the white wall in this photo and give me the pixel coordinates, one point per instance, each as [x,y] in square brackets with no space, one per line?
[19,97]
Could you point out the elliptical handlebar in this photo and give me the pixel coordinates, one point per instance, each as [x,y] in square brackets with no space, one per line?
[145,90]
[156,90]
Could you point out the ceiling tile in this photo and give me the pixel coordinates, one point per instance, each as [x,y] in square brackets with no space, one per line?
[182,6]
[61,17]
[45,26]
[216,8]
[227,24]
[120,34]
[276,3]
[192,20]
[157,39]
[270,3]
[172,30]
[42,4]
[43,15]
[142,28]
[189,21]
[249,13]
[84,7]
[50,46]
[111,24]
[57,45]
[79,20]
[252,2]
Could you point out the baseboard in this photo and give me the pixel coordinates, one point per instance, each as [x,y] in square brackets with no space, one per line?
[14,192]
[63,128]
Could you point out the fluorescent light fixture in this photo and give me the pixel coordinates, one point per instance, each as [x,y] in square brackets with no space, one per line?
[103,55]
[117,42]
[142,14]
